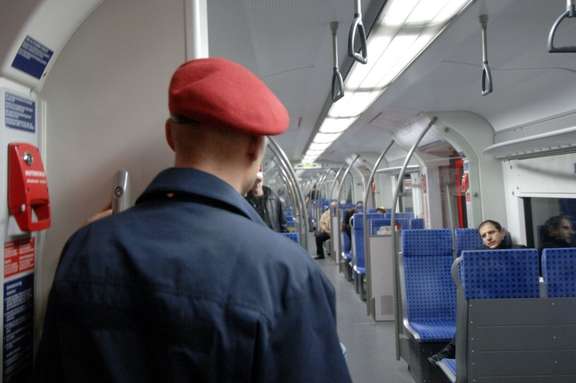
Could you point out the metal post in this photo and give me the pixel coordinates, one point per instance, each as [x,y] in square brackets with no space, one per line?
[367,193]
[196,18]
[397,299]
[120,192]
[299,198]
[338,217]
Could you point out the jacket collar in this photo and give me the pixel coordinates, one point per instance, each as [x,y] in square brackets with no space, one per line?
[192,182]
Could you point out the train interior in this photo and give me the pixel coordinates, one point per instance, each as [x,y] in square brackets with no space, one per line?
[462,112]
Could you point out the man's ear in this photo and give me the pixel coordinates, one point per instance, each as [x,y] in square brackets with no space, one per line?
[256,148]
[168,130]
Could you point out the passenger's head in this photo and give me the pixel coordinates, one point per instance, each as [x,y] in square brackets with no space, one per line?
[221,114]
[381,210]
[559,228]
[492,233]
[258,187]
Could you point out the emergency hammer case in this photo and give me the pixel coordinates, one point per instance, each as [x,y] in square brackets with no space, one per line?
[28,199]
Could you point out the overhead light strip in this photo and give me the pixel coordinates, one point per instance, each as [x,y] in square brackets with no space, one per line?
[402,32]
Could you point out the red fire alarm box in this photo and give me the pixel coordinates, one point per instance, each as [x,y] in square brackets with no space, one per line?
[27,187]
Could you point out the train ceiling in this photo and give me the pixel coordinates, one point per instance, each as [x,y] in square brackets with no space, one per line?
[288,42]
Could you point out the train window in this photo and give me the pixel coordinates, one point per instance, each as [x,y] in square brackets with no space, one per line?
[558,214]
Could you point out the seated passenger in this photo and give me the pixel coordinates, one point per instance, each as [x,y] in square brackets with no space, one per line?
[557,232]
[494,237]
[381,210]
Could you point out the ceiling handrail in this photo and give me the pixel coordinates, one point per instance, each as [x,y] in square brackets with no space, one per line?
[360,55]
[337,80]
[486,73]
[569,13]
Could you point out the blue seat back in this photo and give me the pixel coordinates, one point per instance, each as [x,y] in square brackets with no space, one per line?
[346,243]
[417,223]
[293,236]
[358,227]
[494,274]
[559,270]
[467,239]
[427,257]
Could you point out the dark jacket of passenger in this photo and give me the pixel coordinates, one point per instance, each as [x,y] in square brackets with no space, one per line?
[188,286]
[549,242]
[269,207]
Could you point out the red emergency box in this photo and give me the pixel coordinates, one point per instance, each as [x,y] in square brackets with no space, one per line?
[27,187]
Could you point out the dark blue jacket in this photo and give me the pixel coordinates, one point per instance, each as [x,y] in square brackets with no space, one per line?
[188,286]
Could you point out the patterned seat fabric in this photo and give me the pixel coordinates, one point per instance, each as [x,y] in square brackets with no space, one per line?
[430,293]
[467,239]
[417,223]
[559,268]
[500,274]
[293,236]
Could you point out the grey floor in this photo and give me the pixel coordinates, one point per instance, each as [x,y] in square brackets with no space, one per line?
[370,345]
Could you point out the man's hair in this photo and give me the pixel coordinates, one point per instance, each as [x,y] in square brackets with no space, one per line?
[554,223]
[492,222]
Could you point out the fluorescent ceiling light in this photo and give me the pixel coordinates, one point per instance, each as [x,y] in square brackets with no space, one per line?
[336,125]
[326,138]
[404,29]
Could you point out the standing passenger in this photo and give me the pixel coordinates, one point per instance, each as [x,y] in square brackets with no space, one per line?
[190,285]
[268,204]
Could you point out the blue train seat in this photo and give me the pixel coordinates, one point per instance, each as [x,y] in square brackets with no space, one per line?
[448,366]
[346,247]
[499,274]
[467,239]
[293,236]
[559,270]
[416,223]
[430,292]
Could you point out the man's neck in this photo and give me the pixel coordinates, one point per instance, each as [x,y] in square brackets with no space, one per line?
[230,175]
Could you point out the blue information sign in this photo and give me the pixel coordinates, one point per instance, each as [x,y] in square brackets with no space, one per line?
[19,112]
[32,57]
[18,329]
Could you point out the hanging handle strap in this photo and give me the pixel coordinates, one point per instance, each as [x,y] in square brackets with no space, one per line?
[360,55]
[486,73]
[337,80]
[569,13]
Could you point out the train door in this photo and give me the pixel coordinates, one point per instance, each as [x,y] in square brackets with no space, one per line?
[446,185]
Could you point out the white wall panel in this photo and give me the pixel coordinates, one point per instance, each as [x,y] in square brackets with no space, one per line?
[107,103]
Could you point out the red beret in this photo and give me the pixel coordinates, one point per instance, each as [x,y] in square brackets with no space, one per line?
[219,92]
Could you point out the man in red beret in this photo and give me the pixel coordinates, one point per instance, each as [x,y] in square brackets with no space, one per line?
[190,285]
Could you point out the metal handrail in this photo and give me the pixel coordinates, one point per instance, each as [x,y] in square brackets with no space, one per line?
[486,73]
[337,80]
[357,26]
[338,238]
[569,13]
[397,305]
[335,181]
[367,192]
[455,271]
[120,192]
[299,198]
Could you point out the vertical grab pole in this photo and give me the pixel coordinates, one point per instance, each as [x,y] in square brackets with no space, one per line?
[196,18]
[120,192]
[339,218]
[397,298]
[300,205]
[367,193]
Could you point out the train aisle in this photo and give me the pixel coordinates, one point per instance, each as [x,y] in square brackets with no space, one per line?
[369,345]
